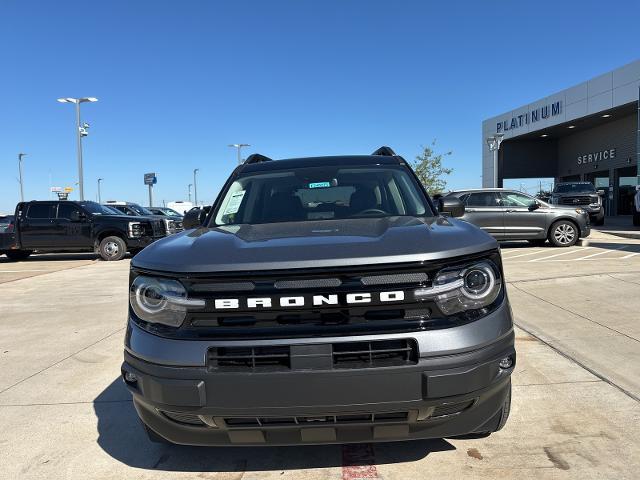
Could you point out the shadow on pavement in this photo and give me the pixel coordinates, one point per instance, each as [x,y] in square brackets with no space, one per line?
[120,434]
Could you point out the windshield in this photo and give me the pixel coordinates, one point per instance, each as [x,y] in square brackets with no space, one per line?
[574,188]
[138,209]
[170,211]
[322,193]
[97,209]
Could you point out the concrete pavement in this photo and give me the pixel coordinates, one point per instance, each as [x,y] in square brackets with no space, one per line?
[64,414]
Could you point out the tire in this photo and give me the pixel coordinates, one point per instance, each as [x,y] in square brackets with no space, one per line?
[636,219]
[599,223]
[538,242]
[17,255]
[112,249]
[563,233]
[504,412]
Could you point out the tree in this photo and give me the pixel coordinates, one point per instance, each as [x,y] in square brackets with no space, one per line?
[429,169]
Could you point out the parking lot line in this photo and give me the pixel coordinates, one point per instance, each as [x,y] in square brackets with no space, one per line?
[630,255]
[622,247]
[524,254]
[542,259]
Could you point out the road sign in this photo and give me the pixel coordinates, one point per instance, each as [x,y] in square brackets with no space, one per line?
[68,189]
[150,179]
[56,189]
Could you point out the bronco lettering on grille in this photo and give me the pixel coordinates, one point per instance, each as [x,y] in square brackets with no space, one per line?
[314,300]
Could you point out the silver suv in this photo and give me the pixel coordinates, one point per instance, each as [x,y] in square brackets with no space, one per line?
[513,215]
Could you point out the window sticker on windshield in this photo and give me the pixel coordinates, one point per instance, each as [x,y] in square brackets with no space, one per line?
[234,202]
[320,185]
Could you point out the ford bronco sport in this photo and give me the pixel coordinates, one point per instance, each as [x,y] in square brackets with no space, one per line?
[320,300]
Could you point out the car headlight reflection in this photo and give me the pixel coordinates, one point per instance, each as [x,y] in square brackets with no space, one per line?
[159,300]
[466,288]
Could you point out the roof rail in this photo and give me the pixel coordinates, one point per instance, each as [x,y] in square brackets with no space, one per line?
[256,158]
[385,152]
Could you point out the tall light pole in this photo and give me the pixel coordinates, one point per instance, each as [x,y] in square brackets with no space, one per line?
[239,147]
[195,186]
[494,145]
[20,155]
[99,196]
[82,132]
[190,185]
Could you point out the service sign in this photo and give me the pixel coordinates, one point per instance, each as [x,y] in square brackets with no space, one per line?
[56,189]
[150,179]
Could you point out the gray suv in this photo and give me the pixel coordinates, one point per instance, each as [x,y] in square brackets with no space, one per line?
[320,300]
[513,215]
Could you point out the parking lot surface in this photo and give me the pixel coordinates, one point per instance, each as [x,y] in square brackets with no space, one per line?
[64,413]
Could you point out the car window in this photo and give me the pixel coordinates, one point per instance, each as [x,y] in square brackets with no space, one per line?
[514,199]
[65,210]
[40,210]
[482,199]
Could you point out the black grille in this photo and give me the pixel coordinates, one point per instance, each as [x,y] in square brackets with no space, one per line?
[451,408]
[158,228]
[187,418]
[316,420]
[342,355]
[575,200]
[250,358]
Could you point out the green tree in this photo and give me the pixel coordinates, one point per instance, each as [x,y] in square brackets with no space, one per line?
[429,169]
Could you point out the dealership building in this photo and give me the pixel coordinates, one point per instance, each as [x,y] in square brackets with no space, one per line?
[588,132]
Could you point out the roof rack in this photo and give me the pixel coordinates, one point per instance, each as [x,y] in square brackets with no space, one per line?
[385,152]
[256,158]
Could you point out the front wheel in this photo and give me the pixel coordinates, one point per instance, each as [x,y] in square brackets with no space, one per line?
[563,233]
[504,412]
[16,255]
[112,248]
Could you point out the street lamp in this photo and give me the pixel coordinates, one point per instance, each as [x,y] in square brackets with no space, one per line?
[239,147]
[494,145]
[20,155]
[190,185]
[99,196]
[195,186]
[82,132]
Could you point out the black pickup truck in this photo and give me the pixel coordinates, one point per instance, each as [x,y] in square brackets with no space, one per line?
[68,226]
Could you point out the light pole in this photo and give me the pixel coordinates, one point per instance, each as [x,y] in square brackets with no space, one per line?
[195,186]
[20,155]
[190,185]
[239,147]
[494,145]
[82,132]
[99,196]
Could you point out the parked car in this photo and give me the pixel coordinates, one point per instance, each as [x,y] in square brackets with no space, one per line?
[169,213]
[512,215]
[5,222]
[580,194]
[67,226]
[133,209]
[321,300]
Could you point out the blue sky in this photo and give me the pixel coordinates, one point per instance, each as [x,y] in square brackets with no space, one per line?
[179,80]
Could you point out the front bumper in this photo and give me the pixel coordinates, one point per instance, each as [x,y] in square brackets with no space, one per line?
[441,395]
[141,242]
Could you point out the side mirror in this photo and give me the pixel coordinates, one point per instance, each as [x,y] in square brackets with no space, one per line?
[194,218]
[451,206]
[534,206]
[600,192]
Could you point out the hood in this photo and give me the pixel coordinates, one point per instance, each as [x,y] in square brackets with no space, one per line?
[574,194]
[314,244]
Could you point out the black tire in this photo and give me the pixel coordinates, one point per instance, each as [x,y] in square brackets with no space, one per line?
[636,219]
[599,223]
[154,437]
[112,248]
[538,242]
[17,255]
[563,233]
[504,412]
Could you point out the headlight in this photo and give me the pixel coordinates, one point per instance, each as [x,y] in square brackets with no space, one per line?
[465,288]
[580,211]
[136,229]
[170,225]
[159,300]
